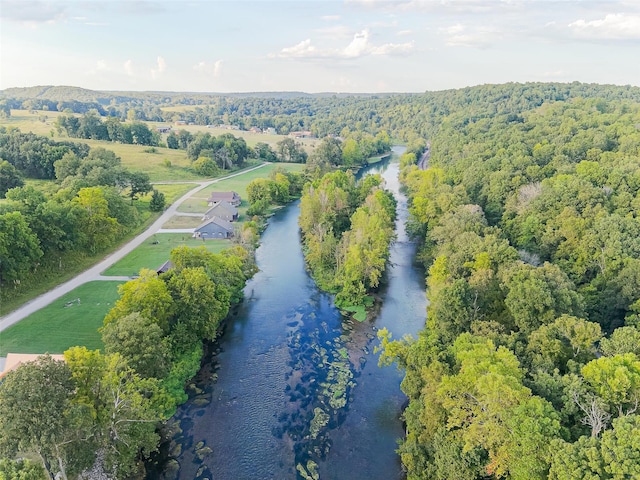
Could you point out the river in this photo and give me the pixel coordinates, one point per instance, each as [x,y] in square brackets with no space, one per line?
[291,388]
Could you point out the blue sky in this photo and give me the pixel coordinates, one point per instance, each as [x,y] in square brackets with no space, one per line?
[316,45]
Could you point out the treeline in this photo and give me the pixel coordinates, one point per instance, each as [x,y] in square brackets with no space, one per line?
[529,363]
[91,126]
[403,116]
[100,411]
[347,227]
[43,233]
[34,155]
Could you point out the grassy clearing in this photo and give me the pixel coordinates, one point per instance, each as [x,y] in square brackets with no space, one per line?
[150,255]
[32,122]
[55,328]
[172,191]
[182,221]
[134,157]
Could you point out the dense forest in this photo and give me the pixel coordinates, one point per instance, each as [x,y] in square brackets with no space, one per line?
[528,366]
[529,363]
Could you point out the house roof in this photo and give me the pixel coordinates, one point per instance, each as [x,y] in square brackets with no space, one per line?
[223,205]
[14,360]
[219,196]
[165,267]
[218,221]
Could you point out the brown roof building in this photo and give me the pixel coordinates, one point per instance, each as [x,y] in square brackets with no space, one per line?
[231,198]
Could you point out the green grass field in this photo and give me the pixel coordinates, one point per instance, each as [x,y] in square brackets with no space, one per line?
[55,328]
[134,157]
[182,221]
[32,122]
[150,255]
[172,191]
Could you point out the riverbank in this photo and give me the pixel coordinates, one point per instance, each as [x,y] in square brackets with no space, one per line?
[291,384]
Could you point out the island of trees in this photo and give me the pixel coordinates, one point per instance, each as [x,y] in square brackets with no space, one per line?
[347,227]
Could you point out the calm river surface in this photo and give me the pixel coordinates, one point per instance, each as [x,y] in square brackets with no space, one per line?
[294,389]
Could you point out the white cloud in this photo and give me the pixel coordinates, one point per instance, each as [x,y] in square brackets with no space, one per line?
[330,18]
[402,33]
[300,50]
[614,26]
[128,68]
[454,29]
[335,32]
[33,12]
[161,67]
[393,49]
[440,6]
[459,35]
[211,69]
[360,46]
[100,68]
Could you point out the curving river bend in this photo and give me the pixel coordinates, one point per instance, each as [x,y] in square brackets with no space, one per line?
[292,390]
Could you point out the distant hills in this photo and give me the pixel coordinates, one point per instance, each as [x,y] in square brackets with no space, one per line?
[58,93]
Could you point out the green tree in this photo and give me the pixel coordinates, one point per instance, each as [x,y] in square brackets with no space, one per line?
[230,268]
[100,230]
[124,405]
[622,340]
[260,189]
[200,304]
[567,338]
[291,151]
[263,151]
[616,380]
[328,151]
[581,460]
[157,202]
[621,448]
[206,166]
[148,295]
[36,413]
[19,248]
[22,469]
[9,177]
[140,341]
[537,295]
[67,166]
[138,183]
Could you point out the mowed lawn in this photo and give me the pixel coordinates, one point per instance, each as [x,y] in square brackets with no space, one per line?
[152,255]
[55,328]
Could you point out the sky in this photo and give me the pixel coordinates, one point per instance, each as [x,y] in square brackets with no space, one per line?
[315,46]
